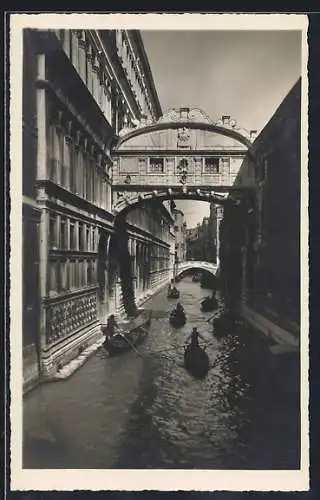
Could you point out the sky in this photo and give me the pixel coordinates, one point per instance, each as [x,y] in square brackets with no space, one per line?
[244,74]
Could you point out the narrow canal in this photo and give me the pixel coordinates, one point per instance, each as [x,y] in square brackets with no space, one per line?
[148,412]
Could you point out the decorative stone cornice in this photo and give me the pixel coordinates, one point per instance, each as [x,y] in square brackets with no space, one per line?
[193,116]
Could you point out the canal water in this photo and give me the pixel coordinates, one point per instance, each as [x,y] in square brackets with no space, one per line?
[146,411]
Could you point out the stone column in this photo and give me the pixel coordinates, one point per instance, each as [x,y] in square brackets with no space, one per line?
[82,56]
[66,162]
[75,50]
[43,284]
[57,235]
[42,160]
[96,80]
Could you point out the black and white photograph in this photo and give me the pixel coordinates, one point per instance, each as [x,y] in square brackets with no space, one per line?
[159,252]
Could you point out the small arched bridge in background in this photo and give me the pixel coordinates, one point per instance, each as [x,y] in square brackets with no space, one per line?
[189,265]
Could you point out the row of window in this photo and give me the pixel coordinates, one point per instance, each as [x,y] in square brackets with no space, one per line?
[130,67]
[148,222]
[66,234]
[65,275]
[84,58]
[157,166]
[75,170]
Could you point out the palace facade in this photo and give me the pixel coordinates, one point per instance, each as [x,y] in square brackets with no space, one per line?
[80,88]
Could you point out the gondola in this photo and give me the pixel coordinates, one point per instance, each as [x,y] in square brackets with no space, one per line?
[173,293]
[177,319]
[130,336]
[196,278]
[209,304]
[196,361]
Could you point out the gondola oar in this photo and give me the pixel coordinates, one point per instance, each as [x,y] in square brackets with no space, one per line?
[211,317]
[130,344]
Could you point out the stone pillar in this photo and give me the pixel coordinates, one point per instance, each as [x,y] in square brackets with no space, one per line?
[139,250]
[82,56]
[134,265]
[75,51]
[95,76]
[76,229]
[42,160]
[43,285]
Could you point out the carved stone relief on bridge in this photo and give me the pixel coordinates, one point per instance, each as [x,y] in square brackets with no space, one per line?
[182,170]
[125,196]
[183,138]
[191,115]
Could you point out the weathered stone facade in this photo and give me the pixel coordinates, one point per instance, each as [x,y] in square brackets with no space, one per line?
[260,238]
[202,239]
[79,89]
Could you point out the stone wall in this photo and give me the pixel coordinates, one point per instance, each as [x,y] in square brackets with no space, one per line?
[268,245]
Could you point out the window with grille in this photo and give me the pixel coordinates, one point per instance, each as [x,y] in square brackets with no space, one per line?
[211,166]
[156,165]
[226,165]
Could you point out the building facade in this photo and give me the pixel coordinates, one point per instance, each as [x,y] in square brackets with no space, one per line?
[180,227]
[150,229]
[202,240]
[80,88]
[260,238]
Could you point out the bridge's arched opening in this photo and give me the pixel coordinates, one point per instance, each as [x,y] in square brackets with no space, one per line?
[192,271]
[138,277]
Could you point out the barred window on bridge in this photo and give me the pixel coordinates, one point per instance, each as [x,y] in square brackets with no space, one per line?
[156,166]
[211,166]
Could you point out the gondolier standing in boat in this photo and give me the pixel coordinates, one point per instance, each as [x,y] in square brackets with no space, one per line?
[194,336]
[179,308]
[171,285]
[112,326]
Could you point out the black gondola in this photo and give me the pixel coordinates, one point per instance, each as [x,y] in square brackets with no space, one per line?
[209,304]
[130,335]
[173,293]
[177,319]
[196,361]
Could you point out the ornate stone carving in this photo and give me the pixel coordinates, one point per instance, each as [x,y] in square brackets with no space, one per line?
[70,315]
[182,168]
[183,137]
[183,134]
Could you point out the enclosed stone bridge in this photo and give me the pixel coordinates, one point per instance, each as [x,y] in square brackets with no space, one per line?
[189,265]
[182,155]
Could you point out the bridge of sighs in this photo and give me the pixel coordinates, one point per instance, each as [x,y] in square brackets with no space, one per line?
[182,155]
